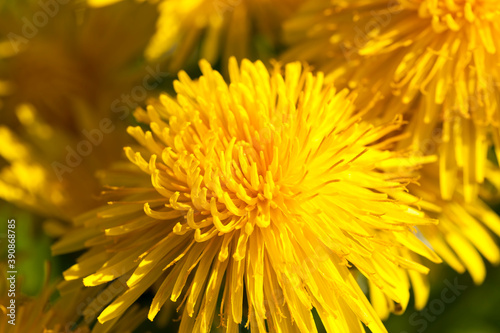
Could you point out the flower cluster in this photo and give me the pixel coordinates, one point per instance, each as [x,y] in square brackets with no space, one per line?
[297,165]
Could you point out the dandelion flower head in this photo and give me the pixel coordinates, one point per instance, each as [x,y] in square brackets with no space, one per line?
[437,61]
[264,193]
[215,29]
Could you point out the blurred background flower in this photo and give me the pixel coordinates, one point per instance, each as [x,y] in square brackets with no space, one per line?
[63,66]
[215,30]
[435,61]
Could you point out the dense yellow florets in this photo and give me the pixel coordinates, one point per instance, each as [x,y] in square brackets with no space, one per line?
[270,186]
[437,62]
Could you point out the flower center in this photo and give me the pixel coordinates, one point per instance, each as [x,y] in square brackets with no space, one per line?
[243,176]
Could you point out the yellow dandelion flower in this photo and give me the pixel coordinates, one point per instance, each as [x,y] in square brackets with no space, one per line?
[264,191]
[440,59]
[215,29]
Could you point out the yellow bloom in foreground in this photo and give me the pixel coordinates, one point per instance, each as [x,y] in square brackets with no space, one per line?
[440,59]
[215,29]
[263,192]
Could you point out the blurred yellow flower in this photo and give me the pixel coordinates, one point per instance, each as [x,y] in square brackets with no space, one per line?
[60,75]
[215,30]
[263,192]
[439,59]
